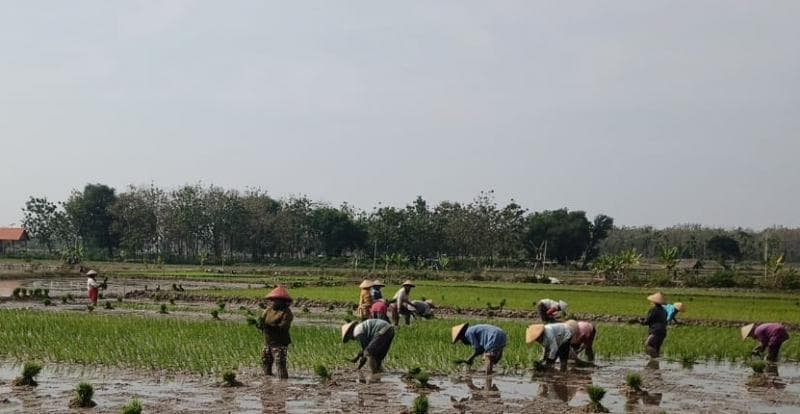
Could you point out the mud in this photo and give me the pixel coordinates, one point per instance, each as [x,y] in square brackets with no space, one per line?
[668,387]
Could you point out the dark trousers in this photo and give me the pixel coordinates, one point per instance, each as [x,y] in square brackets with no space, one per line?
[378,347]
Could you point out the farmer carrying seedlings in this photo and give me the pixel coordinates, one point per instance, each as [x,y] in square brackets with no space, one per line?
[375,290]
[583,335]
[379,310]
[92,286]
[375,338]
[423,308]
[275,323]
[657,325]
[487,340]
[770,337]
[365,300]
[402,302]
[672,311]
[555,338]
[550,309]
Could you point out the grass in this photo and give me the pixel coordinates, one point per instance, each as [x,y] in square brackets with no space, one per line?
[725,305]
[209,346]
[133,406]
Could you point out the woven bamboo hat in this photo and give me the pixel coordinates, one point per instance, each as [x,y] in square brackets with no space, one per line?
[572,324]
[533,333]
[656,298]
[366,284]
[408,283]
[457,331]
[347,330]
[377,283]
[679,306]
[91,273]
[279,292]
[747,330]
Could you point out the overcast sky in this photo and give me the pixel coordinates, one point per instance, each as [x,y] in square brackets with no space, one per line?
[653,112]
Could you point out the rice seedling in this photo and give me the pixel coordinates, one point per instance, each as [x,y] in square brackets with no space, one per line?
[119,299]
[163,309]
[420,405]
[322,373]
[634,381]
[214,314]
[27,378]
[172,302]
[133,406]
[221,305]
[596,395]
[229,379]
[758,367]
[83,396]
[47,302]
[108,305]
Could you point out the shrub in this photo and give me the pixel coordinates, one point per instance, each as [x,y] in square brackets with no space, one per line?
[29,371]
[83,396]
[420,405]
[634,381]
[133,406]
[722,279]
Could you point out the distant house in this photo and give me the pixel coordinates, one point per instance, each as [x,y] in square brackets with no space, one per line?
[689,265]
[12,238]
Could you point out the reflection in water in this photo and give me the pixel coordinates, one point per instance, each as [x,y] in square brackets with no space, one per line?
[564,386]
[271,404]
[489,392]
[653,364]
[647,398]
[7,287]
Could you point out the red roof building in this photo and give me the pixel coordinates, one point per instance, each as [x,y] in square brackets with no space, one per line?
[11,237]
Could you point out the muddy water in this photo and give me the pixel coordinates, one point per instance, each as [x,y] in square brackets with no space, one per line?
[670,387]
[77,285]
[7,287]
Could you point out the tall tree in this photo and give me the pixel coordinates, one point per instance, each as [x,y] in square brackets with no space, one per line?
[43,220]
[567,234]
[90,211]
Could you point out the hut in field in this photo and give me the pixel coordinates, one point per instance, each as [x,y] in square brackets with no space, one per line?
[12,239]
[689,266]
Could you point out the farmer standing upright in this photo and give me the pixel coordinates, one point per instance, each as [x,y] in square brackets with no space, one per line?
[770,337]
[92,286]
[375,338]
[402,302]
[275,323]
[365,300]
[656,322]
[486,340]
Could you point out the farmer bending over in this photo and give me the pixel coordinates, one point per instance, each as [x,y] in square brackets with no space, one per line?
[770,337]
[379,310]
[672,311]
[550,309]
[375,290]
[401,303]
[423,308]
[275,323]
[488,340]
[583,334]
[555,338]
[375,337]
[657,325]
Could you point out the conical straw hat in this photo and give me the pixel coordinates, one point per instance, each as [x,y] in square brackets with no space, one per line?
[279,292]
[533,333]
[408,283]
[458,331]
[679,306]
[378,283]
[656,298]
[366,284]
[572,324]
[347,329]
[747,329]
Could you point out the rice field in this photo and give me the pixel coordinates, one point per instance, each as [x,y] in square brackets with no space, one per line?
[208,347]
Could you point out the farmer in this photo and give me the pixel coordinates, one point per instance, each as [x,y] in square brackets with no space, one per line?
[550,309]
[365,301]
[770,337]
[375,337]
[379,310]
[92,286]
[487,340]
[672,310]
[583,335]
[275,323]
[657,325]
[375,291]
[423,308]
[401,302]
[555,338]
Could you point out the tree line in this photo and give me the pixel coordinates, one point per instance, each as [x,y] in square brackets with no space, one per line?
[210,224]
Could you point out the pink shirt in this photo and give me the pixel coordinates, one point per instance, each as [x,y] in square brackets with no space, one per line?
[585,333]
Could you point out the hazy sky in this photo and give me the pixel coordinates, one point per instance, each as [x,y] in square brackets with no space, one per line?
[654,112]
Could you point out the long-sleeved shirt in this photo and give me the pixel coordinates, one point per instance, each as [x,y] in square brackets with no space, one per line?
[657,320]
[422,307]
[401,297]
[672,311]
[485,338]
[585,334]
[555,335]
[367,330]
[553,307]
[770,334]
[91,283]
[275,325]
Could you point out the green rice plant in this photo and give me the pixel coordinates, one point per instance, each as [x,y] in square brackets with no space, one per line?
[133,406]
[29,371]
[83,396]
[119,299]
[229,379]
[17,293]
[108,305]
[215,314]
[163,309]
[420,405]
[634,381]
[758,367]
[596,395]
[322,373]
[47,302]
[172,302]
[221,305]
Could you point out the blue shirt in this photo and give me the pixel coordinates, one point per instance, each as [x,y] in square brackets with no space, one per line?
[671,312]
[485,338]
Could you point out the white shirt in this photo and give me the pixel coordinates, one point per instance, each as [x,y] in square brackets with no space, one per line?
[555,335]
[401,296]
[91,283]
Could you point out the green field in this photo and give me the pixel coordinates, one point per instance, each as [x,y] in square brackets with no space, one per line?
[719,305]
[212,346]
